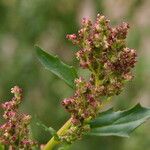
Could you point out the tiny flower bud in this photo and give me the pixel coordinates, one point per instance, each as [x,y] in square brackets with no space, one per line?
[71,36]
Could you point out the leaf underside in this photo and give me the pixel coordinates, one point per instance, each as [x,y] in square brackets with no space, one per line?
[120,123]
[56,66]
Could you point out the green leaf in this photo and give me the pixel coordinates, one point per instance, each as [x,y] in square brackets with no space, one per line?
[56,66]
[120,123]
[1,147]
[48,129]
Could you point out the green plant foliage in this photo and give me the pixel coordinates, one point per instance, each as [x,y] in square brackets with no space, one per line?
[56,66]
[49,129]
[1,147]
[120,123]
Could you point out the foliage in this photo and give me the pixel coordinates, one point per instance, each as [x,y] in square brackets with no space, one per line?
[120,123]
[1,147]
[52,63]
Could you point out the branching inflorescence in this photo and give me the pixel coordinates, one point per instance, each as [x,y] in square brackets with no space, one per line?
[15,132]
[104,53]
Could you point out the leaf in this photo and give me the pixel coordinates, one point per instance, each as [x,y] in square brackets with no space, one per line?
[1,147]
[56,66]
[64,147]
[120,123]
[49,129]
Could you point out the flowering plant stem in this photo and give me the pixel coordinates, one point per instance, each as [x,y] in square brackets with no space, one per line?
[53,142]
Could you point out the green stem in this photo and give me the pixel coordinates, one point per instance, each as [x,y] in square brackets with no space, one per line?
[52,142]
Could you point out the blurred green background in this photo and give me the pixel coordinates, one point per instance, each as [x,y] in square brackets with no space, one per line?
[24,23]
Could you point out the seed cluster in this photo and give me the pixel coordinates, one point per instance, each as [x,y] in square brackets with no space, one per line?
[103,51]
[15,132]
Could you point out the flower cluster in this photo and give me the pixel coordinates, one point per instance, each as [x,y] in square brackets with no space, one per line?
[83,106]
[15,132]
[103,51]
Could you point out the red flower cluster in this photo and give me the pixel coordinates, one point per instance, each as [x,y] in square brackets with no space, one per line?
[103,51]
[15,132]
